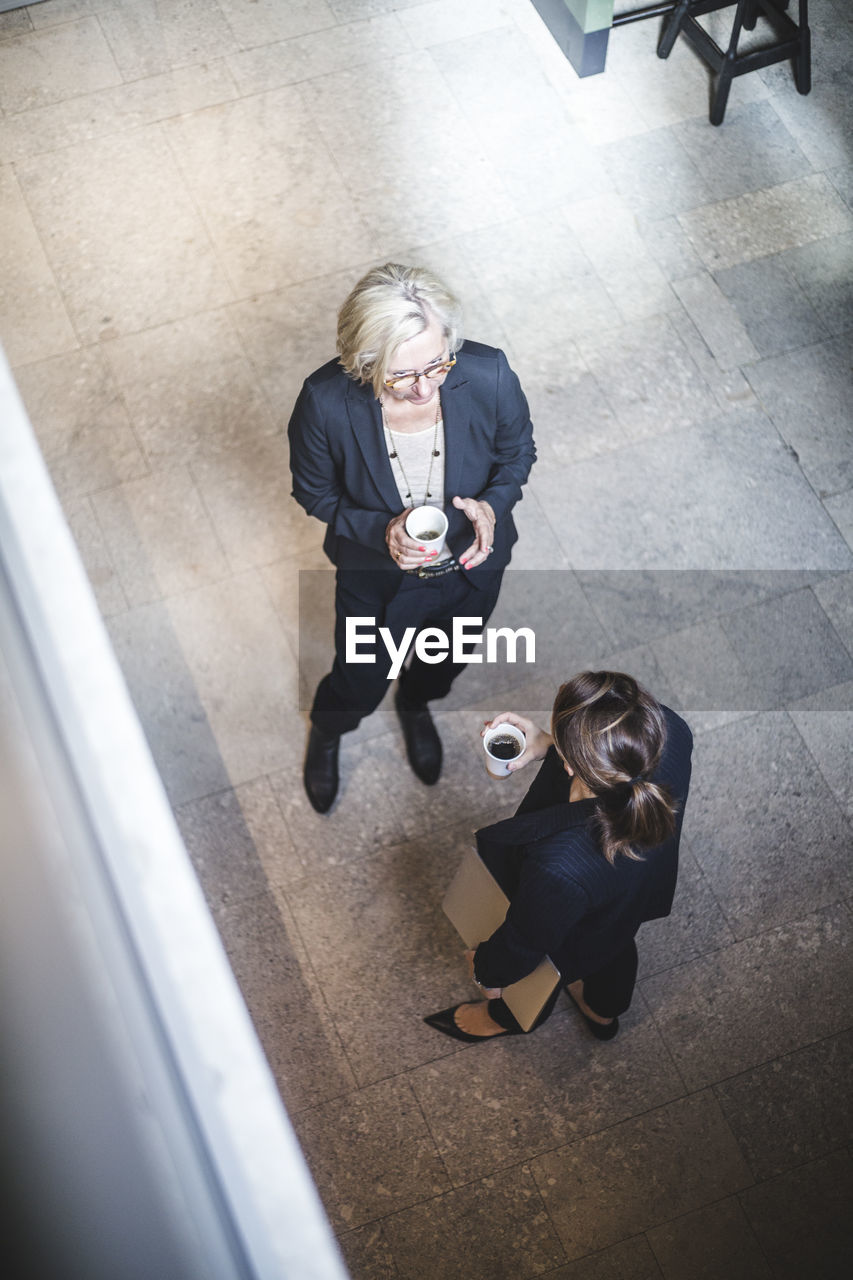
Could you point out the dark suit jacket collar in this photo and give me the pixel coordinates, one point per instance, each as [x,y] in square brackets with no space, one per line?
[526,828]
[366,421]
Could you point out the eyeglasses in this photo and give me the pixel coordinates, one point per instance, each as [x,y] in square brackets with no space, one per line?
[402,381]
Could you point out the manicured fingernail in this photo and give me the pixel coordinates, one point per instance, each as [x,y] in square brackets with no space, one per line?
[421,548]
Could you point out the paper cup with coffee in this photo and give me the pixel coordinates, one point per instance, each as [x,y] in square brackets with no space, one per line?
[502,743]
[428,527]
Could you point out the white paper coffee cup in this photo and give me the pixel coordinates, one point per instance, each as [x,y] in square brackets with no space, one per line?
[428,526]
[509,743]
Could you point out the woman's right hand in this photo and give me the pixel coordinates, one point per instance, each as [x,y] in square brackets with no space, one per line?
[537,740]
[406,553]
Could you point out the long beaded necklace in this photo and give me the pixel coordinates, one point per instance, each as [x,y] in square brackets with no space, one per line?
[393,453]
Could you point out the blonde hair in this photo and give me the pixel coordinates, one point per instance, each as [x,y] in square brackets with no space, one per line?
[612,733]
[388,306]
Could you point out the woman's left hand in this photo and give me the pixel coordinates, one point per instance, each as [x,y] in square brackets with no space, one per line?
[482,518]
[491,993]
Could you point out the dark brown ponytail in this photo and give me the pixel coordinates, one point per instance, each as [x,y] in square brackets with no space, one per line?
[612,733]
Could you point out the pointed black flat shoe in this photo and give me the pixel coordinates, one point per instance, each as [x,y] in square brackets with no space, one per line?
[445,1021]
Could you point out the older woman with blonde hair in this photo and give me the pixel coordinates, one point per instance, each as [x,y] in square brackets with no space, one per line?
[590,855]
[407,415]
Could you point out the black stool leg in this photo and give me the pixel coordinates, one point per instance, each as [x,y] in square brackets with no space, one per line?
[669,35]
[803,63]
[751,16]
[724,80]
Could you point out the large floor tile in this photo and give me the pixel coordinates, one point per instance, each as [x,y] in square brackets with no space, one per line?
[255,167]
[48,66]
[825,144]
[710,1244]
[807,395]
[605,228]
[491,1108]
[81,422]
[787,646]
[384,951]
[840,507]
[726,495]
[256,22]
[148,38]
[655,174]
[717,320]
[495,78]
[287,1008]
[167,702]
[247,493]
[825,723]
[696,926]
[794,1109]
[367,1253]
[160,538]
[122,235]
[640,605]
[771,305]
[767,221]
[237,841]
[33,321]
[727,1012]
[495,1229]
[793,856]
[802,1220]
[367,43]
[635,1175]
[360,117]
[629,1260]
[190,389]
[754,150]
[289,333]
[100,569]
[824,271]
[243,672]
[836,598]
[371,1153]
[649,377]
[14,23]
[117,109]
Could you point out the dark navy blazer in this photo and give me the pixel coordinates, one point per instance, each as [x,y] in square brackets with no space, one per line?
[566,900]
[342,473]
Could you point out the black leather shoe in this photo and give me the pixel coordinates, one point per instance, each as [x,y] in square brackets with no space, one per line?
[321,769]
[423,745]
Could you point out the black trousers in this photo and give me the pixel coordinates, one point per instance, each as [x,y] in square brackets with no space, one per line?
[353,690]
[608,991]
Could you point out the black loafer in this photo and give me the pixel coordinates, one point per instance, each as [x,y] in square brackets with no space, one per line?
[321,769]
[423,745]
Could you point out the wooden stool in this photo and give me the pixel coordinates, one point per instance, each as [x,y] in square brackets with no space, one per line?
[793,41]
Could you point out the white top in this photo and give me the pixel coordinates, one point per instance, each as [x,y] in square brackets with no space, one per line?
[414,451]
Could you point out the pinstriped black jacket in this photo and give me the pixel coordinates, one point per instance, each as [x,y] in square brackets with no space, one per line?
[566,900]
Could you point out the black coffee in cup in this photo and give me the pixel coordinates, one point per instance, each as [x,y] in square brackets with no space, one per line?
[429,535]
[505,747]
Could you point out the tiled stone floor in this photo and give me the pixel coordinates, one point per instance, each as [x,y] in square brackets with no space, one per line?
[187,192]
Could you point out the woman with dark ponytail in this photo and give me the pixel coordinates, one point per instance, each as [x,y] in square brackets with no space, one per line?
[591,853]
